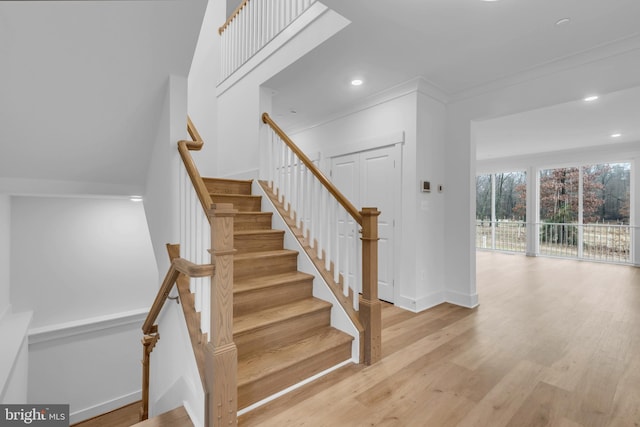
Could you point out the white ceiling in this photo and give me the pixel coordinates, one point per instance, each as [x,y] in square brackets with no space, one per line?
[82,82]
[82,85]
[462,47]
[572,125]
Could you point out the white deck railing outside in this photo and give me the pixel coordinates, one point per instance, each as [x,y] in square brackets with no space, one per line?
[595,242]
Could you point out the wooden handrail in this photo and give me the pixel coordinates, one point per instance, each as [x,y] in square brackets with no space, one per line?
[184,147]
[353,211]
[178,266]
[197,142]
[370,307]
[232,17]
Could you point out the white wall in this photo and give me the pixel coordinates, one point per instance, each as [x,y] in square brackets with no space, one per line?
[76,258]
[13,327]
[175,380]
[5,229]
[430,209]
[93,366]
[14,358]
[203,79]
[408,110]
[76,262]
[161,199]
[239,102]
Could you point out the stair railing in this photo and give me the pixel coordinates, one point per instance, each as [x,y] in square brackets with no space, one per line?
[327,221]
[195,230]
[206,234]
[150,329]
[251,26]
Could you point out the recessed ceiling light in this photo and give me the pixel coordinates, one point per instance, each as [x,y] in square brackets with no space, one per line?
[591,98]
[616,135]
[563,21]
[135,198]
[356,82]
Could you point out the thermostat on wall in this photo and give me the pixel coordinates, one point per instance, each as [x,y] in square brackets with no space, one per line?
[426,186]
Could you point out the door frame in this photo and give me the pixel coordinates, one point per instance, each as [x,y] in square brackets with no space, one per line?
[395,140]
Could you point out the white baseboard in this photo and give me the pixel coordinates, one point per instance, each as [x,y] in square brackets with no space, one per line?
[422,303]
[104,407]
[463,300]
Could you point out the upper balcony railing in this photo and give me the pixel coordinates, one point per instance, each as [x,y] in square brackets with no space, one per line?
[251,26]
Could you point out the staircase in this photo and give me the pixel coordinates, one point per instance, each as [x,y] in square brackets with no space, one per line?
[282,332]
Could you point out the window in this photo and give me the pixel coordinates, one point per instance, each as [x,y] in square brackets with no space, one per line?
[501,211]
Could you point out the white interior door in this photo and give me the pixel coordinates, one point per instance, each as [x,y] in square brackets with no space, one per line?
[345,174]
[371,179]
[377,189]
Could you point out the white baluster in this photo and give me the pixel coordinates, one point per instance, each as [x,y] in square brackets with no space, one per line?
[320,219]
[244,19]
[270,162]
[280,157]
[294,190]
[347,254]
[182,203]
[336,236]
[328,230]
[304,196]
[287,180]
[287,13]
[313,209]
[260,24]
[249,29]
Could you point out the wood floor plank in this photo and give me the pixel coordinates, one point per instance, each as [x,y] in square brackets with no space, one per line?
[122,417]
[554,343]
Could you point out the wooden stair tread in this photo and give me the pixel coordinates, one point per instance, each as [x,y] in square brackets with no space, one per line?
[260,364]
[240,196]
[175,418]
[251,322]
[254,213]
[253,283]
[264,254]
[225,186]
[252,220]
[257,232]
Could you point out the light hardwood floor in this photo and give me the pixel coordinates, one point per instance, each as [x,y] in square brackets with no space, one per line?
[122,417]
[553,343]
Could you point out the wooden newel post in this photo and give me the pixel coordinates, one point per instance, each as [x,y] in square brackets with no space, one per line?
[148,343]
[370,308]
[221,354]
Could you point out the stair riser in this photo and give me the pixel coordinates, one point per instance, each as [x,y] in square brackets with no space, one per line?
[264,387]
[281,333]
[251,222]
[260,299]
[227,186]
[260,267]
[242,204]
[258,243]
